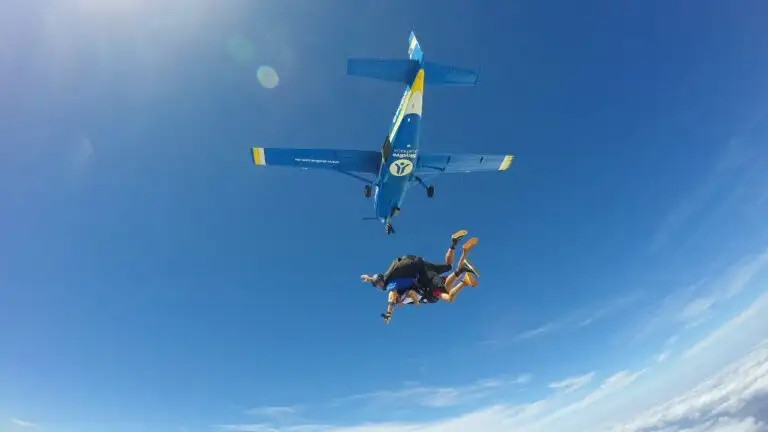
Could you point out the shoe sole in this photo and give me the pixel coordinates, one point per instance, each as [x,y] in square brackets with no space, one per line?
[459,234]
[470,266]
[469,244]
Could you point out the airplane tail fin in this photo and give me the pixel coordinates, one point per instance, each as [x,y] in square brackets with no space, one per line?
[414,49]
[404,71]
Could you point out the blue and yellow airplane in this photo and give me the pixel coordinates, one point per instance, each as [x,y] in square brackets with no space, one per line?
[400,163]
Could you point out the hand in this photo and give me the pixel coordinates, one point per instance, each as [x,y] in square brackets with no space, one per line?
[387,316]
[365,278]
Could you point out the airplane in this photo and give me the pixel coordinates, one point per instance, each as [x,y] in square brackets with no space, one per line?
[400,163]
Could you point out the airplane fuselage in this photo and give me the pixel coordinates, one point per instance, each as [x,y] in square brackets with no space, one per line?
[400,152]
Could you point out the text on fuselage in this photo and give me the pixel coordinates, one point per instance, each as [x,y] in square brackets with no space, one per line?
[405,153]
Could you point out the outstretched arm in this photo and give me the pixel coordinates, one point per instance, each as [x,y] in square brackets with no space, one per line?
[391,300]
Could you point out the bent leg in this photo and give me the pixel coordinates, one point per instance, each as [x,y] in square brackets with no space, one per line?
[449,255]
[462,264]
[451,295]
[455,239]
[466,280]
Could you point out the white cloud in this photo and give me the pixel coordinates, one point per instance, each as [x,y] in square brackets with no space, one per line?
[736,164]
[246,428]
[695,309]
[668,310]
[571,384]
[538,331]
[581,318]
[720,402]
[436,396]
[662,357]
[24,424]
[730,328]
[733,400]
[742,274]
[274,411]
[692,305]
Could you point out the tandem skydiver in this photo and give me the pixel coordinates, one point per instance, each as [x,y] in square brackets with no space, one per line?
[416,294]
[411,265]
[402,291]
[412,278]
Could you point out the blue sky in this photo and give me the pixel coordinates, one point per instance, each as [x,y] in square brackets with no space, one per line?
[152,279]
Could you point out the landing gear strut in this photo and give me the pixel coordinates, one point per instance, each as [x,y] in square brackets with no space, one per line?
[367,191]
[430,189]
[392,213]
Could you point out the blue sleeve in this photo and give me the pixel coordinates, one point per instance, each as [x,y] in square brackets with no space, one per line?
[400,284]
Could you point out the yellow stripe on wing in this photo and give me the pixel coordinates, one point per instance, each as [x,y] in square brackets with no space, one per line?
[505,163]
[258,156]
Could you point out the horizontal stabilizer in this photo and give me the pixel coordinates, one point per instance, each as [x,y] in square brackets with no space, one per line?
[438,74]
[395,70]
[403,71]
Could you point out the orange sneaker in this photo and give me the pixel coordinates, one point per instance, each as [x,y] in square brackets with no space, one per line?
[469,244]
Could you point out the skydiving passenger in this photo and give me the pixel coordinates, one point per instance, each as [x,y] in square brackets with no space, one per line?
[404,291]
[424,284]
[416,294]
[411,265]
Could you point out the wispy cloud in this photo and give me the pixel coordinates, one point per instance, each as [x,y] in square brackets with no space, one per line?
[742,273]
[662,357]
[692,304]
[279,412]
[610,386]
[578,319]
[436,397]
[538,331]
[735,171]
[667,310]
[24,424]
[696,308]
[246,428]
[571,384]
[728,329]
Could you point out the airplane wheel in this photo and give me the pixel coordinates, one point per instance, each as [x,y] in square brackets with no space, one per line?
[430,191]
[367,191]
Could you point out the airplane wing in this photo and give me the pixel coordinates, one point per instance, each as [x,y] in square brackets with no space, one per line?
[443,163]
[350,161]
